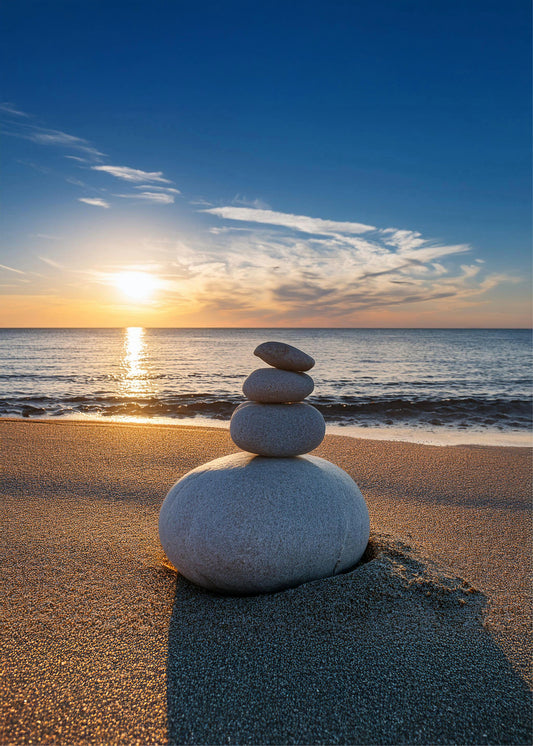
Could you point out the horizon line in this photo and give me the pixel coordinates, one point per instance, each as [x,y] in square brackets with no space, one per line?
[292,328]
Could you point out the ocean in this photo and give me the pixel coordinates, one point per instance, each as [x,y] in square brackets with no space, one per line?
[414,384]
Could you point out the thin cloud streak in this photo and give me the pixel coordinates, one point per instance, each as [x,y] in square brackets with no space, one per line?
[258,203]
[299,223]
[44,136]
[158,197]
[95,202]
[132,174]
[10,109]
[28,130]
[153,187]
[51,262]
[56,137]
[12,269]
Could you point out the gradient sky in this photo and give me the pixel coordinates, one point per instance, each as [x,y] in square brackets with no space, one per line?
[286,163]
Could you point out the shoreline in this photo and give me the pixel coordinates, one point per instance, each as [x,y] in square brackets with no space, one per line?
[428,642]
[416,435]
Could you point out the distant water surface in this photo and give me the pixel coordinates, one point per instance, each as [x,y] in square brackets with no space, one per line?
[432,379]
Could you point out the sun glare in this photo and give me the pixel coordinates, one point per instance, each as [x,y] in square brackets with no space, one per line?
[137,286]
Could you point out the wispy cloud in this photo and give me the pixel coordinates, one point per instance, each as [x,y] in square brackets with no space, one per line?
[200,202]
[51,262]
[152,187]
[75,182]
[12,269]
[35,166]
[286,269]
[402,239]
[94,201]
[17,123]
[257,203]
[161,198]
[56,137]
[299,223]
[11,109]
[132,174]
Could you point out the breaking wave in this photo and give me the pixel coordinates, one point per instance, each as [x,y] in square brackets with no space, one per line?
[457,412]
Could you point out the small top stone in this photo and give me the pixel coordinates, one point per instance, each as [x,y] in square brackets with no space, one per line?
[283,356]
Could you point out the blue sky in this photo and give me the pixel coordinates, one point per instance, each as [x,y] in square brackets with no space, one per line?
[291,163]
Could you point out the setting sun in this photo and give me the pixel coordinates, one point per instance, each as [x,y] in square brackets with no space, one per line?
[138,286]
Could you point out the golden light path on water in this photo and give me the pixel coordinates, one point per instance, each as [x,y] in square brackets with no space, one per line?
[134,381]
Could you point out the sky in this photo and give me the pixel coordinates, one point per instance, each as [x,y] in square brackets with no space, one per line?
[280,164]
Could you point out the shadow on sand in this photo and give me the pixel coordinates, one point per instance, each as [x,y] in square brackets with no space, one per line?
[392,652]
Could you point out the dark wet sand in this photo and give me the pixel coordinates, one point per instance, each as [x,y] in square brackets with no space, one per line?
[427,642]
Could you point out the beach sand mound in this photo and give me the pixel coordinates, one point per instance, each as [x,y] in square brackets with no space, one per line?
[391,652]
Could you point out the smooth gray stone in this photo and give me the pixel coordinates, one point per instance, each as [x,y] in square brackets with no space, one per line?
[246,524]
[271,385]
[284,356]
[278,430]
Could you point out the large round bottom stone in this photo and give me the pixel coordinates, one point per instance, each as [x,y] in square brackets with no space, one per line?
[250,524]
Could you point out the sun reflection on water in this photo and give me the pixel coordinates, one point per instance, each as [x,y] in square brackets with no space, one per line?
[134,374]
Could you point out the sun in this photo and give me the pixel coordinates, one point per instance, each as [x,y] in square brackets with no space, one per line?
[137,286]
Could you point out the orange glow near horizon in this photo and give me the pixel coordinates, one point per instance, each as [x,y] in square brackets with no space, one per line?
[79,310]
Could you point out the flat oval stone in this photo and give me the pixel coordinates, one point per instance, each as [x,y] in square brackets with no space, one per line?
[284,356]
[273,386]
[246,524]
[278,430]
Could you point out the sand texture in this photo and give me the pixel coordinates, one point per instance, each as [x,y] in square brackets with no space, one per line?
[426,642]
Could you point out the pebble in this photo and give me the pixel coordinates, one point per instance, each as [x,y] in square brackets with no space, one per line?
[278,430]
[272,385]
[246,524]
[284,356]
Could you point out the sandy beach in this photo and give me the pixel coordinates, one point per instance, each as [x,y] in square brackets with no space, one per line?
[427,641]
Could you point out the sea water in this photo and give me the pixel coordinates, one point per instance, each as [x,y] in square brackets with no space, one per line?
[413,384]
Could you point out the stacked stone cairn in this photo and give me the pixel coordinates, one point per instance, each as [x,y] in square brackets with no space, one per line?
[270,518]
[276,422]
